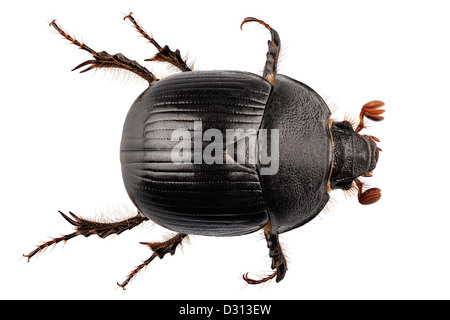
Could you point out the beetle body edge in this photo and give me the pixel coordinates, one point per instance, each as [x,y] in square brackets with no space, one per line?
[227,199]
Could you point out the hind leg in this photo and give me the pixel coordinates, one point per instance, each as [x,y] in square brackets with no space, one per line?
[164,53]
[103,60]
[89,227]
[160,249]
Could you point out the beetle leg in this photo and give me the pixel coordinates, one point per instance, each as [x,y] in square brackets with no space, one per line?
[371,110]
[164,53]
[271,67]
[103,60]
[278,260]
[160,249]
[88,227]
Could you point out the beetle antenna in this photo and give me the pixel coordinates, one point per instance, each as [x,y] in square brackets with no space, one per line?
[371,110]
[369,196]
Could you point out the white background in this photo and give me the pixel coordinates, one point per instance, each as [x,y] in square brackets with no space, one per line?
[60,135]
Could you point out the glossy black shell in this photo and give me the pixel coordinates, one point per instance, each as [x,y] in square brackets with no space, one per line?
[227,199]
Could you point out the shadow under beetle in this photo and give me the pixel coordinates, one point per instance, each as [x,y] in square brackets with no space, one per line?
[315,153]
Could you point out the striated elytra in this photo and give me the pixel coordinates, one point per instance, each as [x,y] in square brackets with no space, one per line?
[227,153]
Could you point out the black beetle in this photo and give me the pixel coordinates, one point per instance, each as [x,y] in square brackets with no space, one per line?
[195,153]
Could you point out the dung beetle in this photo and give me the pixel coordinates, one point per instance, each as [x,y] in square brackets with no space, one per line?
[227,153]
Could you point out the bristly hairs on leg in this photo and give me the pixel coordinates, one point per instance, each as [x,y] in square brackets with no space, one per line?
[121,75]
[352,120]
[87,228]
[352,192]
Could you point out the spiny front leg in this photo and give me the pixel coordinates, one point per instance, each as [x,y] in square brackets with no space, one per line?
[279,263]
[88,227]
[164,53]
[271,67]
[160,249]
[103,60]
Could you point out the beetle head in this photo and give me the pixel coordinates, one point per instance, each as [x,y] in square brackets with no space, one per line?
[355,155]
